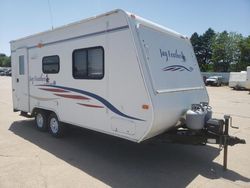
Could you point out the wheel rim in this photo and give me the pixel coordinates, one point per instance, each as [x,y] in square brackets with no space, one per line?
[39,120]
[54,125]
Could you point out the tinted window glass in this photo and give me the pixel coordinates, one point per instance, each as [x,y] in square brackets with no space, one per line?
[95,63]
[21,65]
[51,64]
[88,63]
[80,64]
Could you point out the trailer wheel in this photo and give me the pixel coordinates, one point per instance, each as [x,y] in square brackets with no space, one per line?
[41,118]
[55,126]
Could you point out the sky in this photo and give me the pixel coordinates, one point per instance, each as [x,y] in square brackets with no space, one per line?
[20,18]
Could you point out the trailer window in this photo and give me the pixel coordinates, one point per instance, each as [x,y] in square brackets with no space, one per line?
[80,64]
[88,63]
[21,65]
[51,64]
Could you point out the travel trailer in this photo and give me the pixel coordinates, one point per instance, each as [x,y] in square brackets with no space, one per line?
[240,80]
[115,73]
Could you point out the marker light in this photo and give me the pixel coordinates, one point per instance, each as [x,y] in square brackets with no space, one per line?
[145,106]
[40,45]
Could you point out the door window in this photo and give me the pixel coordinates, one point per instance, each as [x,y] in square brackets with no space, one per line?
[21,65]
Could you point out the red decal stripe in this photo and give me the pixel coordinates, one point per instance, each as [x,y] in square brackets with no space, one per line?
[54,90]
[72,96]
[90,105]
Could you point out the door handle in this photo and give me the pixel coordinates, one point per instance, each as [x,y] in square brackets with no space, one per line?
[17,80]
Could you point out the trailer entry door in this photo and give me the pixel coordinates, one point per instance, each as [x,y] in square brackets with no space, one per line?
[20,80]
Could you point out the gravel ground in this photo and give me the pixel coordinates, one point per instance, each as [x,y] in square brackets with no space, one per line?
[29,158]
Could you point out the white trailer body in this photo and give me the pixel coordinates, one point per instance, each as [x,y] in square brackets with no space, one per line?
[248,78]
[115,73]
[240,79]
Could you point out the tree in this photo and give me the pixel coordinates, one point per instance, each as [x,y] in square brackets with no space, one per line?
[233,50]
[203,48]
[196,42]
[244,46]
[219,52]
[207,40]
[5,61]
[225,51]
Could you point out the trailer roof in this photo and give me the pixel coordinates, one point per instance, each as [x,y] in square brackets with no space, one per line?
[131,15]
[156,26]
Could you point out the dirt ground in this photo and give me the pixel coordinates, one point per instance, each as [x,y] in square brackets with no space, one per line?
[29,158]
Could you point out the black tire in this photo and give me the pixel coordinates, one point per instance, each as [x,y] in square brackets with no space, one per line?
[41,119]
[56,127]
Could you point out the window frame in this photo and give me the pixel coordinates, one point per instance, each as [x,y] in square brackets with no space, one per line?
[87,77]
[58,64]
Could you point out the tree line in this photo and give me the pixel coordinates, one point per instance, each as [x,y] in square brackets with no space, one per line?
[221,52]
[4,60]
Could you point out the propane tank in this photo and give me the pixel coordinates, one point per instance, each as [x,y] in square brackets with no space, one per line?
[195,117]
[208,110]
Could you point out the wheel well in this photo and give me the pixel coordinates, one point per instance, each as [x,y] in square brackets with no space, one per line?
[35,110]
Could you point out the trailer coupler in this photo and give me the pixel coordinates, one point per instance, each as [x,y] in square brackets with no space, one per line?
[231,141]
[215,132]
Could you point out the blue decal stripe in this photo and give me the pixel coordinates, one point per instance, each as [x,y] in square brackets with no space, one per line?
[176,66]
[102,100]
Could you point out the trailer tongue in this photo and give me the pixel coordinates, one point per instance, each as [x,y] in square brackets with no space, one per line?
[215,131]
